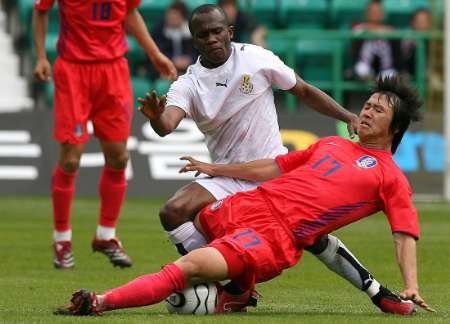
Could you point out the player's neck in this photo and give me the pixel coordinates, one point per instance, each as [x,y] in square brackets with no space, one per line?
[376,145]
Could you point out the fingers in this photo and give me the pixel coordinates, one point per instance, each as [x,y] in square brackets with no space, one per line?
[420,302]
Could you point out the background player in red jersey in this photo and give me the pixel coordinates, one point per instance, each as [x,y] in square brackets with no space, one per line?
[92,82]
[255,235]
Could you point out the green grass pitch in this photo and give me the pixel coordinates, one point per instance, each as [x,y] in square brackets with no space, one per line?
[30,289]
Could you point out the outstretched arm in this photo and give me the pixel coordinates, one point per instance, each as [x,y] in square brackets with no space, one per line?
[405,248]
[136,26]
[163,120]
[323,103]
[259,170]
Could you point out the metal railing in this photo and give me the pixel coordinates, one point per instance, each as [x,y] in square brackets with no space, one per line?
[338,85]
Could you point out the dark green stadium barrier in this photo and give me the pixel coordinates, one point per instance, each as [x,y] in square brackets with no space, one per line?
[338,85]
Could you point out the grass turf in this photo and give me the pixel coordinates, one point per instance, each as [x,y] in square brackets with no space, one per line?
[30,289]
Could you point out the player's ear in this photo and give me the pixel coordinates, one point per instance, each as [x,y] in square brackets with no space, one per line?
[231,31]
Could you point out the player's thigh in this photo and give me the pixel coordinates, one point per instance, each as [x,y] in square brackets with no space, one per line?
[251,257]
[116,154]
[184,205]
[72,102]
[113,105]
[203,265]
[222,187]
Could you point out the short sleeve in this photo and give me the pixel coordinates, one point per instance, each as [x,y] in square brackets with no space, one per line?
[397,198]
[290,161]
[43,4]
[278,73]
[131,4]
[180,94]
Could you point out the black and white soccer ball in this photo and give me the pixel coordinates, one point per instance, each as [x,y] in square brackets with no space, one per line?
[200,299]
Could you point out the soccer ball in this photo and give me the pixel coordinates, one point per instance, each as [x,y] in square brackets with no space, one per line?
[200,299]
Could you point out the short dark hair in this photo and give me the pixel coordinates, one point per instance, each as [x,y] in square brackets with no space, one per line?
[206,8]
[404,101]
[179,6]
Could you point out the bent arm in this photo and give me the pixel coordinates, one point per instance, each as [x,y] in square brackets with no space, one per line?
[168,121]
[136,26]
[323,103]
[258,170]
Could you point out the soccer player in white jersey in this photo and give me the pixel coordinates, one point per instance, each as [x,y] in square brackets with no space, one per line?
[228,93]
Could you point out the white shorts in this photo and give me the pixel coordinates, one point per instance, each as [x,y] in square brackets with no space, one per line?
[221,187]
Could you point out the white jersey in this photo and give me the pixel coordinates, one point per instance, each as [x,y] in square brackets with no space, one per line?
[233,104]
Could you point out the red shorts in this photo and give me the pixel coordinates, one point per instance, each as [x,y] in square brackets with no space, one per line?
[100,92]
[242,226]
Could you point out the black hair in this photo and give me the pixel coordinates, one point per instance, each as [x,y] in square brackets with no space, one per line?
[179,6]
[404,101]
[204,9]
[222,3]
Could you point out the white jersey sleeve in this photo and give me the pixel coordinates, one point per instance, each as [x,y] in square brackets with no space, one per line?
[278,73]
[180,94]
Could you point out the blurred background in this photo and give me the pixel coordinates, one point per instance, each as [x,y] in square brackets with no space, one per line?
[338,45]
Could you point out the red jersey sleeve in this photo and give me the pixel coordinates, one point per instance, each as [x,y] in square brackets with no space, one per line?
[131,4]
[292,160]
[43,4]
[396,195]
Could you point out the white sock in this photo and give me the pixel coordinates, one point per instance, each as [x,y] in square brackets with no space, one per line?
[105,233]
[187,235]
[346,265]
[62,236]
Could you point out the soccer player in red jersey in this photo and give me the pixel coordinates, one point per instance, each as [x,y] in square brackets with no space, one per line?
[255,235]
[92,82]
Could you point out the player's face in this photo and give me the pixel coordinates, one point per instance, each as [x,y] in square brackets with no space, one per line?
[375,120]
[211,37]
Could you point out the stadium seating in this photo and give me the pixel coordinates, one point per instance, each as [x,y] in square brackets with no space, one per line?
[343,13]
[399,12]
[153,10]
[265,12]
[303,13]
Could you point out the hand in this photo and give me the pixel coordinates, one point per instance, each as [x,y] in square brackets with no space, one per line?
[152,107]
[194,165]
[165,66]
[352,125]
[43,70]
[413,294]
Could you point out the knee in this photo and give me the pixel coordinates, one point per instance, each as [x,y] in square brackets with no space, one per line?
[319,245]
[70,164]
[117,161]
[173,214]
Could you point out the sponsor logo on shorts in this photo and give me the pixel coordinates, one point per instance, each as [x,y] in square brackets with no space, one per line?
[78,130]
[216,205]
[366,162]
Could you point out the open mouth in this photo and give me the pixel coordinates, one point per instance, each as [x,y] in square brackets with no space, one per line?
[365,124]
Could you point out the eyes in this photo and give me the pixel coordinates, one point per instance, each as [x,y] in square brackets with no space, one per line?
[213,31]
[379,109]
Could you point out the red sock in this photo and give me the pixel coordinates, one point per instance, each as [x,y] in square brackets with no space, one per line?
[146,290]
[112,188]
[63,188]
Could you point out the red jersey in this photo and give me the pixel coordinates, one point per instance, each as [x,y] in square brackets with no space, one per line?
[336,182]
[91,30]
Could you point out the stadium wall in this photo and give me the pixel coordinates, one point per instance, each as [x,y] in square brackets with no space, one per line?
[28,153]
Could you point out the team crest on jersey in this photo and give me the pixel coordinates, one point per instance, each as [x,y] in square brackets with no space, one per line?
[216,205]
[366,162]
[247,85]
